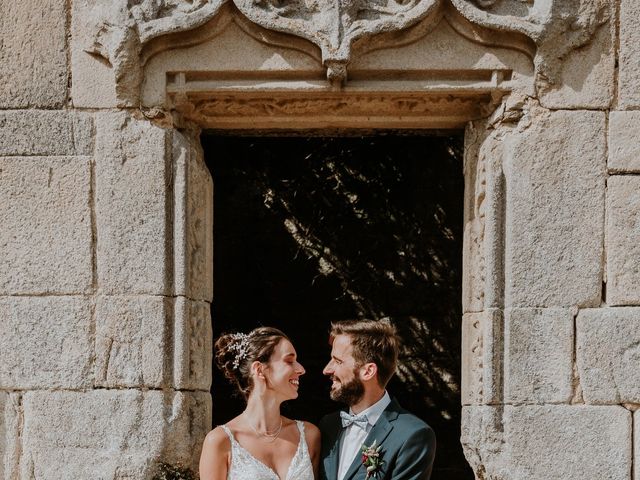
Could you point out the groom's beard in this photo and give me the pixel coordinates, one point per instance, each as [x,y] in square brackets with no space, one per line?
[349,393]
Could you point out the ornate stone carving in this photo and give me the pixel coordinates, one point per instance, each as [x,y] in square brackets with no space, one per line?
[477,269]
[122,27]
[545,29]
[472,363]
[334,25]
[555,26]
[491,3]
[482,357]
[266,110]
[360,105]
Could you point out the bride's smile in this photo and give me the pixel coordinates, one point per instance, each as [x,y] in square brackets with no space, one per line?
[261,443]
[283,371]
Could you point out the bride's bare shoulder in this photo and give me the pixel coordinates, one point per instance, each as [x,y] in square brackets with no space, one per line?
[311,433]
[217,439]
[311,429]
[216,455]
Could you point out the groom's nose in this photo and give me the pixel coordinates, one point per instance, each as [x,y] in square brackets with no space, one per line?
[328,370]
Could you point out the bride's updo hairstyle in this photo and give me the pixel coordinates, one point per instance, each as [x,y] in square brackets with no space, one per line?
[235,352]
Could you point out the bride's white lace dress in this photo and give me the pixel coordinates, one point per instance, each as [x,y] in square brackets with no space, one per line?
[245,466]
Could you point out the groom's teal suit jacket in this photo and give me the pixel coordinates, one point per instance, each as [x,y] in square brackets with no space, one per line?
[408,446]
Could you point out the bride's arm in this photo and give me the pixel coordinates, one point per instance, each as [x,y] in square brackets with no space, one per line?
[312,436]
[214,459]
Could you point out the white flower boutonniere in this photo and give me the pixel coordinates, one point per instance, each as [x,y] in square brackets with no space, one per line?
[372,459]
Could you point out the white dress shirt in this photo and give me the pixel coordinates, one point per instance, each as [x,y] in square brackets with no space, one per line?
[354,436]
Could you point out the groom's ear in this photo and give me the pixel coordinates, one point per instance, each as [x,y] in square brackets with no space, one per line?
[369,371]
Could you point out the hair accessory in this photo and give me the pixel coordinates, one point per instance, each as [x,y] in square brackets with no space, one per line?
[241,346]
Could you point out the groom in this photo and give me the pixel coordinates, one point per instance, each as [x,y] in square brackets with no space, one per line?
[364,355]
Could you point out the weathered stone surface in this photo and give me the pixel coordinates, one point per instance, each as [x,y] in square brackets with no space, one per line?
[555,170]
[115,434]
[93,81]
[636,444]
[624,149]
[623,240]
[33,54]
[45,239]
[608,354]
[134,348]
[568,442]
[482,438]
[132,185]
[193,349]
[46,342]
[538,355]
[41,132]
[484,443]
[132,341]
[587,74]
[187,424]
[10,417]
[193,220]
[482,341]
[629,70]
[483,270]
[543,442]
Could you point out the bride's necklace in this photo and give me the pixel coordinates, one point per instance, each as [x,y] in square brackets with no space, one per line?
[270,436]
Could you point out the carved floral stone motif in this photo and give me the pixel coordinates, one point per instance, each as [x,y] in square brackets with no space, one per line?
[333,25]
[553,28]
[556,27]
[122,27]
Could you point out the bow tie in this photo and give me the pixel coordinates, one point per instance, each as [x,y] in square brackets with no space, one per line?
[348,419]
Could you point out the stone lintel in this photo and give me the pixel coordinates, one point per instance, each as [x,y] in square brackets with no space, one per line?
[299,110]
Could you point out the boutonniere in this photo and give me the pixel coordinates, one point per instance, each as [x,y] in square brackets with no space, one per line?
[372,459]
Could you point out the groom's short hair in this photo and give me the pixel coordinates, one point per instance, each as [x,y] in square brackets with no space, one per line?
[373,341]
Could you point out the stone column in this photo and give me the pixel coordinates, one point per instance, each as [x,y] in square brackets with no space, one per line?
[105,358]
[528,390]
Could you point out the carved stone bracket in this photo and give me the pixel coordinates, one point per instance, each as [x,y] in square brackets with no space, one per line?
[122,27]
[544,29]
[556,27]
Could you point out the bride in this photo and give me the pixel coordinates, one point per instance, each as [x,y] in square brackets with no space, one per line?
[261,444]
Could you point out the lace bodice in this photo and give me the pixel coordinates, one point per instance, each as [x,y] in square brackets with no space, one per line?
[245,466]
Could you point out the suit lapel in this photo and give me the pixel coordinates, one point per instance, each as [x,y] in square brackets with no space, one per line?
[379,433]
[333,456]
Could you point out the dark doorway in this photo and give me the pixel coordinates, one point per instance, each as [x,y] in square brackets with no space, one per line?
[313,229]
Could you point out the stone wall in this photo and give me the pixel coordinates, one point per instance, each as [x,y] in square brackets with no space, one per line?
[105,207]
[567,341]
[104,280]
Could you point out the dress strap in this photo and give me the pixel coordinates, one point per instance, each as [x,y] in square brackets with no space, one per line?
[303,439]
[229,434]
